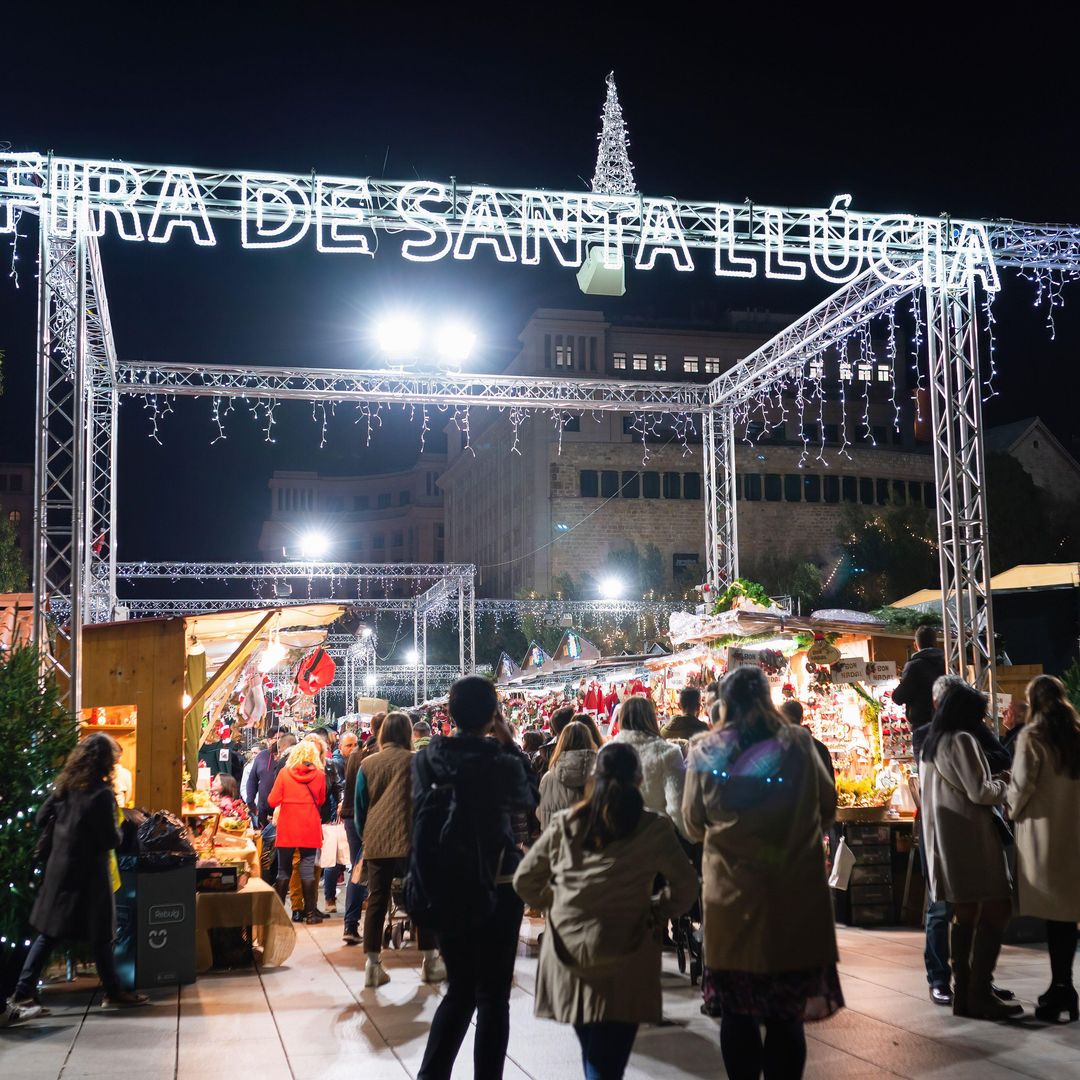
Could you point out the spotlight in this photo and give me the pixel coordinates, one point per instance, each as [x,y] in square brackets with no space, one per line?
[314,544]
[611,588]
[412,657]
[454,342]
[398,336]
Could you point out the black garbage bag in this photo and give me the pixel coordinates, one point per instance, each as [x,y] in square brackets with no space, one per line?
[164,842]
[129,830]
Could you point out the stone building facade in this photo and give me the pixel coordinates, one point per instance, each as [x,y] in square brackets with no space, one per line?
[531,505]
[17,506]
[1049,464]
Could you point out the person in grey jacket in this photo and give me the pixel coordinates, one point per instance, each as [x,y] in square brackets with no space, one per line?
[563,785]
[964,851]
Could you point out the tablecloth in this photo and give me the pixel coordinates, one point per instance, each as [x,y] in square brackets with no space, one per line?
[255,905]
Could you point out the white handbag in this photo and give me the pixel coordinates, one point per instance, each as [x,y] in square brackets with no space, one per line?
[843,862]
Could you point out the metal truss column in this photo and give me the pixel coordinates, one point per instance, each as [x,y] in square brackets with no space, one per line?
[721,526]
[960,472]
[470,668]
[462,634]
[60,488]
[99,567]
[416,653]
[423,654]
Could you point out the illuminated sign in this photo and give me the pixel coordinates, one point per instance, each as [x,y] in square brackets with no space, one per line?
[158,203]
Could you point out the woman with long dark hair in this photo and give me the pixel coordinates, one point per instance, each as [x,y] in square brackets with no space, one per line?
[965,853]
[81,825]
[593,871]
[1044,802]
[758,795]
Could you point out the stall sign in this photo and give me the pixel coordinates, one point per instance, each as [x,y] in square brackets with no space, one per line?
[849,671]
[880,670]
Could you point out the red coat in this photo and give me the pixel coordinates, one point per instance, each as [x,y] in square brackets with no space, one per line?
[300,792]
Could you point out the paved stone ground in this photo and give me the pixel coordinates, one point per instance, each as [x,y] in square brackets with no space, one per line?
[313,1019]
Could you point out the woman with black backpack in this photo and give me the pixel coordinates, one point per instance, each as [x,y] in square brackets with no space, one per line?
[80,824]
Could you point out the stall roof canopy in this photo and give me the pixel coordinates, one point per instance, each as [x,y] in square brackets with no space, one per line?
[1019,578]
[16,619]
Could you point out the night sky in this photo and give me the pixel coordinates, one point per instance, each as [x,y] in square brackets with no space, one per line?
[715,111]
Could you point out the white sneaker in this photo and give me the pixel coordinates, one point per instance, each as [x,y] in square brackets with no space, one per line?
[374,973]
[433,970]
[331,906]
[16,1014]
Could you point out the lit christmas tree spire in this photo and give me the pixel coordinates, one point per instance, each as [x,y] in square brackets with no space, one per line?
[614,174]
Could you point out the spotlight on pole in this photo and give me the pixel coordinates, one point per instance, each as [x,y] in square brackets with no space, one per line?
[454,343]
[398,336]
[314,544]
[611,588]
[412,656]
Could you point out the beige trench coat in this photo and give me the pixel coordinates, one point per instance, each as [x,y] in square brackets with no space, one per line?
[964,853]
[600,957]
[765,894]
[1044,804]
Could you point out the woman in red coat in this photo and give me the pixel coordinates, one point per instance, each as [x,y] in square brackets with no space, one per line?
[299,792]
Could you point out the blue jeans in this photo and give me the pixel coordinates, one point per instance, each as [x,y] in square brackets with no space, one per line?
[354,894]
[329,881]
[605,1048]
[936,955]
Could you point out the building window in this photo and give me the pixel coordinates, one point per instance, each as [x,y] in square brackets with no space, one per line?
[609,483]
[772,487]
[384,500]
[864,373]
[915,493]
[440,532]
[812,489]
[753,488]
[14,516]
[564,353]
[631,485]
[641,361]
[571,423]
[832,433]
[831,487]
[690,365]
[618,361]
[691,485]
[866,491]
[588,483]
[361,502]
[851,489]
[672,485]
[881,496]
[378,541]
[650,485]
[884,374]
[929,496]
[816,369]
[792,488]
[712,365]
[899,493]
[404,498]
[659,363]
[845,370]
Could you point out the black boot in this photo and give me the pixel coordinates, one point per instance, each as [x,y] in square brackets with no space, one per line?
[1058,1000]
[982,1004]
[281,887]
[960,935]
[311,906]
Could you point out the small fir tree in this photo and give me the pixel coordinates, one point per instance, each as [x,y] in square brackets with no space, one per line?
[37,734]
[614,174]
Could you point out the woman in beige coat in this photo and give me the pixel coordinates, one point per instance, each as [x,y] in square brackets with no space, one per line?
[1044,802]
[965,854]
[593,871]
[758,794]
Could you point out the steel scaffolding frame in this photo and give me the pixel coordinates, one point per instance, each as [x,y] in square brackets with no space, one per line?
[80,381]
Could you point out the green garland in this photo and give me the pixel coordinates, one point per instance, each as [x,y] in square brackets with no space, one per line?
[741,588]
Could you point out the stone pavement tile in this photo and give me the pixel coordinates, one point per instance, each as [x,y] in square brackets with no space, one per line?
[347,1066]
[904,1051]
[825,1062]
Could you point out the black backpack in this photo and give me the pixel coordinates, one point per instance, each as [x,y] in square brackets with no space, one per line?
[450,886]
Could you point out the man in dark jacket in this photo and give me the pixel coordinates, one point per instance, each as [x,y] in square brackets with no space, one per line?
[493,777]
[688,723]
[264,771]
[559,719]
[916,687]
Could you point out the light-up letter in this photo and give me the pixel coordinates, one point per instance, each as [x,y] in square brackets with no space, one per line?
[663,235]
[836,242]
[180,202]
[63,191]
[728,264]
[972,258]
[18,188]
[484,223]
[113,189]
[776,266]
[540,222]
[410,205]
[277,207]
[612,212]
[341,208]
[896,247]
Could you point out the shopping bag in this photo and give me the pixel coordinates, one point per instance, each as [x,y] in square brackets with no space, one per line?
[335,845]
[841,868]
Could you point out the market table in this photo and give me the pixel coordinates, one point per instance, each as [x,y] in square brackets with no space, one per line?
[255,905]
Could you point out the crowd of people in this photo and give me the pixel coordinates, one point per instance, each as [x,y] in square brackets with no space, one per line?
[610,840]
